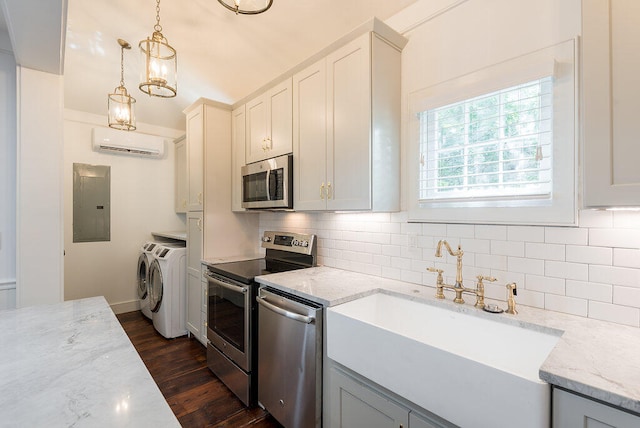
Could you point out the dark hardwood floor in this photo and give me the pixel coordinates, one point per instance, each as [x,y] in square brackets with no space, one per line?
[179,367]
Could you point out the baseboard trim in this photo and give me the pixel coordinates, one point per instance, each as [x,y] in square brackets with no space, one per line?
[123,307]
[8,284]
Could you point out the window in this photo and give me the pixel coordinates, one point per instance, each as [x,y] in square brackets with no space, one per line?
[497,146]
[493,145]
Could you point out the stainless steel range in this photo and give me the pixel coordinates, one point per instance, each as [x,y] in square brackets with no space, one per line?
[232,316]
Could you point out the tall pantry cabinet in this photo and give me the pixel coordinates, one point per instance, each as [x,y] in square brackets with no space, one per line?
[213,230]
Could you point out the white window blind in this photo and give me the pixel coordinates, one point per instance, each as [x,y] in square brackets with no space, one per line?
[494,146]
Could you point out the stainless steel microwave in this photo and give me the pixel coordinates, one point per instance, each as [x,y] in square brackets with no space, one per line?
[268,184]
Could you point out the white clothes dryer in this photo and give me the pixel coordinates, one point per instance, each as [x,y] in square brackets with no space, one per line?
[145,258]
[168,290]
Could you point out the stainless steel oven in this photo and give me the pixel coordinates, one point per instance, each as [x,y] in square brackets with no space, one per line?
[232,317]
[268,183]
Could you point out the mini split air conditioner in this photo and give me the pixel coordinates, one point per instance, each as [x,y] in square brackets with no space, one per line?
[113,141]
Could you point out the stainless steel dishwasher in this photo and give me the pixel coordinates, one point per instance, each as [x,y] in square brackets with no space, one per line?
[290,358]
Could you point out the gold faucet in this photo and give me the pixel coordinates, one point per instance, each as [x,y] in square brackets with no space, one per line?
[458,287]
[511,301]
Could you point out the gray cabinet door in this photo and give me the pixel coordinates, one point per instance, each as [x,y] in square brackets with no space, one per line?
[357,406]
[573,411]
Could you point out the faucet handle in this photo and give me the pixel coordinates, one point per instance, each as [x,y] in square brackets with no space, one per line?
[486,278]
[435,270]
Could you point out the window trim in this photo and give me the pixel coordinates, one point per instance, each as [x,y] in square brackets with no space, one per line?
[561,208]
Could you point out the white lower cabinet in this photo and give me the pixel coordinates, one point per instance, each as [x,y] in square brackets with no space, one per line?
[573,411]
[195,304]
[355,403]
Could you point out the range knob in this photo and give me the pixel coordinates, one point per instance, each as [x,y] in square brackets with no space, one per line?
[266,239]
[295,243]
[304,244]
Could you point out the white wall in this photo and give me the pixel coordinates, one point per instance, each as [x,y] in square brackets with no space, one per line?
[39,246]
[591,271]
[142,201]
[7,180]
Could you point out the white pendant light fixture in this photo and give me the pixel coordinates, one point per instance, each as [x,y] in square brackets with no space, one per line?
[247,7]
[120,103]
[159,76]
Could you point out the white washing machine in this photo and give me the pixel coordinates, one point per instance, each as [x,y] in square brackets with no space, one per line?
[168,290]
[145,259]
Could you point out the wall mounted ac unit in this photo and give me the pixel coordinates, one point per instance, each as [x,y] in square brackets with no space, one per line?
[127,143]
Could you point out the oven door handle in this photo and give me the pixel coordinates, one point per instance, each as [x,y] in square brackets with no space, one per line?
[278,310]
[226,285]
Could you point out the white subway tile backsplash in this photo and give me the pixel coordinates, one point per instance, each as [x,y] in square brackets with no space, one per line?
[566,235]
[459,231]
[568,305]
[535,250]
[626,296]
[491,261]
[400,263]
[475,245]
[491,232]
[411,276]
[595,218]
[614,313]
[544,284]
[626,219]
[567,270]
[620,238]
[523,265]
[591,255]
[625,257]
[615,275]
[525,233]
[391,250]
[530,298]
[439,231]
[590,290]
[592,270]
[508,248]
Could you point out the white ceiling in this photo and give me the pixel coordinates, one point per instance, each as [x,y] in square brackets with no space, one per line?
[221,56]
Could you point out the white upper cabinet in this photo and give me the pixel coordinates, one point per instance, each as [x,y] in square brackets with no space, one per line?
[346,128]
[195,158]
[180,203]
[268,123]
[237,156]
[610,70]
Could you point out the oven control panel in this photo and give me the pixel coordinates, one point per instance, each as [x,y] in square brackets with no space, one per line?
[294,242]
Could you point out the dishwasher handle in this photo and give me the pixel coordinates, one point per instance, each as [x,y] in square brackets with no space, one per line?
[277,309]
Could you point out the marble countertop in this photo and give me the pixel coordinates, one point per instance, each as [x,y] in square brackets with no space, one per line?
[178,235]
[595,358]
[72,364]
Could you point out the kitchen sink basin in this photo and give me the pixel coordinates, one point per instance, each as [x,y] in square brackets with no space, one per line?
[467,369]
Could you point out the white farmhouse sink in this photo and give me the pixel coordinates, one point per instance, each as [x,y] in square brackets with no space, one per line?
[471,371]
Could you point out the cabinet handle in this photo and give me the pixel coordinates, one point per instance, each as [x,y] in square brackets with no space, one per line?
[199,224]
[322,191]
[184,203]
[200,198]
[329,191]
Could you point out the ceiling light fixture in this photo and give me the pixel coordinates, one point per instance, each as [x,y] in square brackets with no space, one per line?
[121,112]
[159,77]
[249,7]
